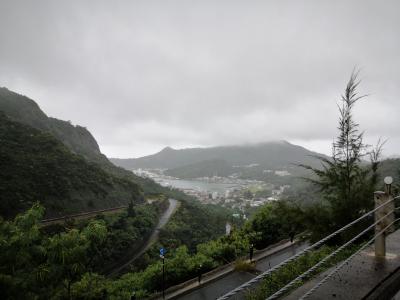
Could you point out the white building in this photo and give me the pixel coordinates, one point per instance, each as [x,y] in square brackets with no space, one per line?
[282,173]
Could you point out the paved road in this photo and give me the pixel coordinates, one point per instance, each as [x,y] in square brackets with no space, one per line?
[275,259]
[221,286]
[173,205]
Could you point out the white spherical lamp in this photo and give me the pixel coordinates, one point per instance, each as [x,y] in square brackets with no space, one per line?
[388,180]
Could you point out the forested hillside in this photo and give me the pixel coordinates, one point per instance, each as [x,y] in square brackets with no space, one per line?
[51,161]
[76,138]
[37,167]
[206,168]
[25,110]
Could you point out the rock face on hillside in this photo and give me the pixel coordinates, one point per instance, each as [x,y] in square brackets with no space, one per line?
[22,109]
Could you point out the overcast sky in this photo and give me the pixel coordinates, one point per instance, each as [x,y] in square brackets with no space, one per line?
[142,75]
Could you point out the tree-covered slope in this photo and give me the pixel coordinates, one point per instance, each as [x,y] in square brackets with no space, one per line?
[35,166]
[25,110]
[206,168]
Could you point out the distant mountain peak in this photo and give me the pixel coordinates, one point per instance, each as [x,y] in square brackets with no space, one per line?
[168,148]
[270,154]
[279,142]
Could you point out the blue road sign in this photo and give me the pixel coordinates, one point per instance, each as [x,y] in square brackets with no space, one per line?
[162,251]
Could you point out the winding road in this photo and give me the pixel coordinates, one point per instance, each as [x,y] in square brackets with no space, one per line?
[173,206]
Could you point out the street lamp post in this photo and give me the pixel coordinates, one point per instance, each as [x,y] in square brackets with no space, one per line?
[133,295]
[200,273]
[163,277]
[162,255]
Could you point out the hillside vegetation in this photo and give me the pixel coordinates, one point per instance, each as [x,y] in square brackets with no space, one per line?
[67,264]
[195,223]
[77,139]
[37,167]
[206,168]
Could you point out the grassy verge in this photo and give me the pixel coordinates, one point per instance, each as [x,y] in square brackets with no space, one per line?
[242,265]
[278,279]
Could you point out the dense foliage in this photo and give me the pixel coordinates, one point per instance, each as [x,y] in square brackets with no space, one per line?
[32,265]
[193,224]
[274,222]
[63,265]
[126,234]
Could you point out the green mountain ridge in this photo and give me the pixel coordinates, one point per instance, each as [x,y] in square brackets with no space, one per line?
[35,166]
[77,141]
[76,138]
[250,160]
[207,168]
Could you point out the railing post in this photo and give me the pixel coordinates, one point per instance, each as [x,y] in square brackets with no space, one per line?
[380,243]
[390,206]
[380,198]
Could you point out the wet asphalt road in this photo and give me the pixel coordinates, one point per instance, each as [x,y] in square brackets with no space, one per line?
[221,286]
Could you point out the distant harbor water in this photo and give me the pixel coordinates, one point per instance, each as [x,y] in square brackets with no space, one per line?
[229,191]
[201,186]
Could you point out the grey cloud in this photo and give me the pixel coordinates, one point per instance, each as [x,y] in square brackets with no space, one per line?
[145,74]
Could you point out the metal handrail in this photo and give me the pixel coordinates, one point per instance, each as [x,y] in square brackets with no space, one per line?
[320,242]
[325,259]
[347,260]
